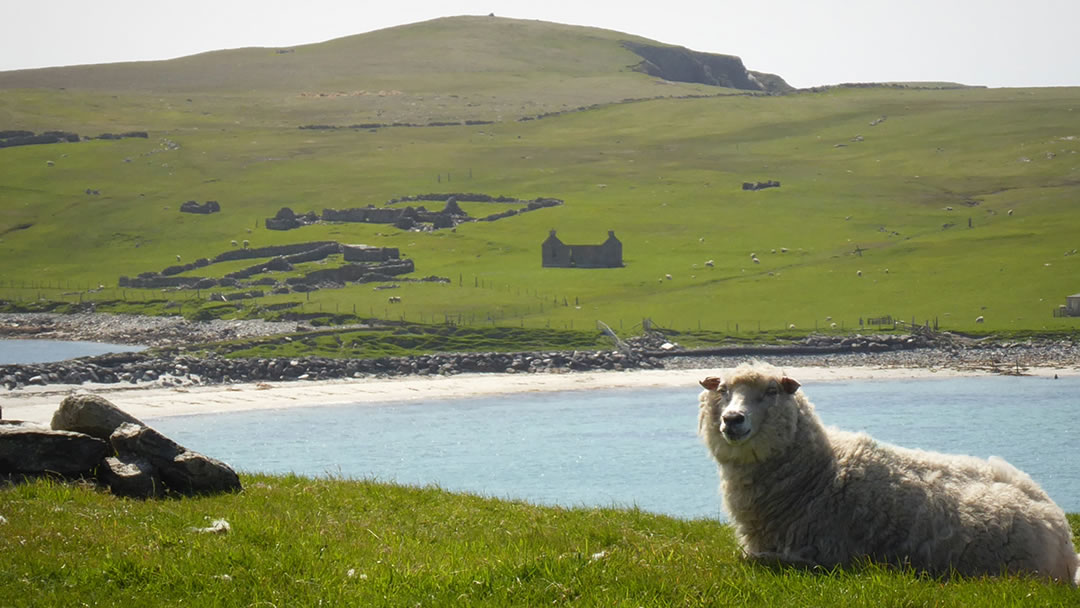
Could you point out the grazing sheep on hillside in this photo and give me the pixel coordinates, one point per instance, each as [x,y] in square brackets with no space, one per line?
[800,493]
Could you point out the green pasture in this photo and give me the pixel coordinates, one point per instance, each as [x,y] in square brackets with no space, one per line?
[665,175]
[333,542]
[956,204]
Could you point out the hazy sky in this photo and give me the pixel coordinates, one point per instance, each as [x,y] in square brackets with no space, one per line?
[808,42]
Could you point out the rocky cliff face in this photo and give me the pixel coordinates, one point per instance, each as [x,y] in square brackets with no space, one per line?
[683,65]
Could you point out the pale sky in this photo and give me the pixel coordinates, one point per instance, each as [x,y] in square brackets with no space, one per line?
[998,43]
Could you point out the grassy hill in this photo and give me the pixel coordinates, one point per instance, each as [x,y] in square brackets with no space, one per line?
[455,68]
[298,541]
[868,221]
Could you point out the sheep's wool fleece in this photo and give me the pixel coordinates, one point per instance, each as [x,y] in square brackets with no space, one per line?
[799,492]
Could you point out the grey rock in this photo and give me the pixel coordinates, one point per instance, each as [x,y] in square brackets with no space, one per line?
[181,470]
[34,450]
[92,415]
[130,475]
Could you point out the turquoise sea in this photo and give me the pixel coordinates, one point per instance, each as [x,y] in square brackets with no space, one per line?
[46,351]
[632,447]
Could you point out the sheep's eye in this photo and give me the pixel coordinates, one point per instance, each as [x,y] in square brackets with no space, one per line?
[772,391]
[722,389]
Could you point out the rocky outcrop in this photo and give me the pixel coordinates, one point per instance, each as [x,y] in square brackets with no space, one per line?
[91,415]
[680,64]
[180,469]
[27,449]
[132,476]
[132,459]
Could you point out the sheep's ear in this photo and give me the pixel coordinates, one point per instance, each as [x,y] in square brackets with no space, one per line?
[790,385]
[711,383]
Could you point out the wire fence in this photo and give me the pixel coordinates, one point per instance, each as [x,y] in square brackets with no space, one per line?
[532,308]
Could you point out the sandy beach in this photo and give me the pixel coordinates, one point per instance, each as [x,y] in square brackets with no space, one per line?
[37,403]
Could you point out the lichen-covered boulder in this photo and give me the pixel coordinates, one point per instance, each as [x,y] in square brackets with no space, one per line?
[29,449]
[92,415]
[130,475]
[181,470]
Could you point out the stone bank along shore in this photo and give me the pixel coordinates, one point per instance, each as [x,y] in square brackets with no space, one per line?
[185,370]
[903,351]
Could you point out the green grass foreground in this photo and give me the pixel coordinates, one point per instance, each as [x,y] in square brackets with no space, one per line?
[297,541]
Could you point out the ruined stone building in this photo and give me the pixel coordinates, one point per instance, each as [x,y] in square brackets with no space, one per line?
[556,254]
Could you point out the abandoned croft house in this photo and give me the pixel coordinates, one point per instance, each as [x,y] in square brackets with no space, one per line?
[556,254]
[1072,305]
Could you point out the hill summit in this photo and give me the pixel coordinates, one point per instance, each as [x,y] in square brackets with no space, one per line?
[452,68]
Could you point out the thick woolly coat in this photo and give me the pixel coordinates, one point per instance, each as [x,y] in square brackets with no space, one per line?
[801,493]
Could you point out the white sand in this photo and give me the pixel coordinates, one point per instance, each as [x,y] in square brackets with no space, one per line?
[37,403]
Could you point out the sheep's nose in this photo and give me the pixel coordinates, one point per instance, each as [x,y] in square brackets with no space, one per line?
[733,418]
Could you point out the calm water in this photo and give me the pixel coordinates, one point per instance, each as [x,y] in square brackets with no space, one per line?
[46,351]
[603,448]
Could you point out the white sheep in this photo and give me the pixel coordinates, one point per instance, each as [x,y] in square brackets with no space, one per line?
[800,493]
[709,263]
[979,319]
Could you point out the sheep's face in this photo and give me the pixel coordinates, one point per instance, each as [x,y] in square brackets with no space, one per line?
[748,416]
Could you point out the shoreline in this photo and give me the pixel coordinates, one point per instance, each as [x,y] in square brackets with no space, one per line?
[37,403]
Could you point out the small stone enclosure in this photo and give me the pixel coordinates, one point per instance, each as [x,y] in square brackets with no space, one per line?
[556,254]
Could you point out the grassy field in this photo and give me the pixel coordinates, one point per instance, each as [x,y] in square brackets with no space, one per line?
[306,542]
[958,205]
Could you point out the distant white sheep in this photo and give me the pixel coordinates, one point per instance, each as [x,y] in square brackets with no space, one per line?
[667,276]
[394,300]
[709,263]
[800,493]
[979,319]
